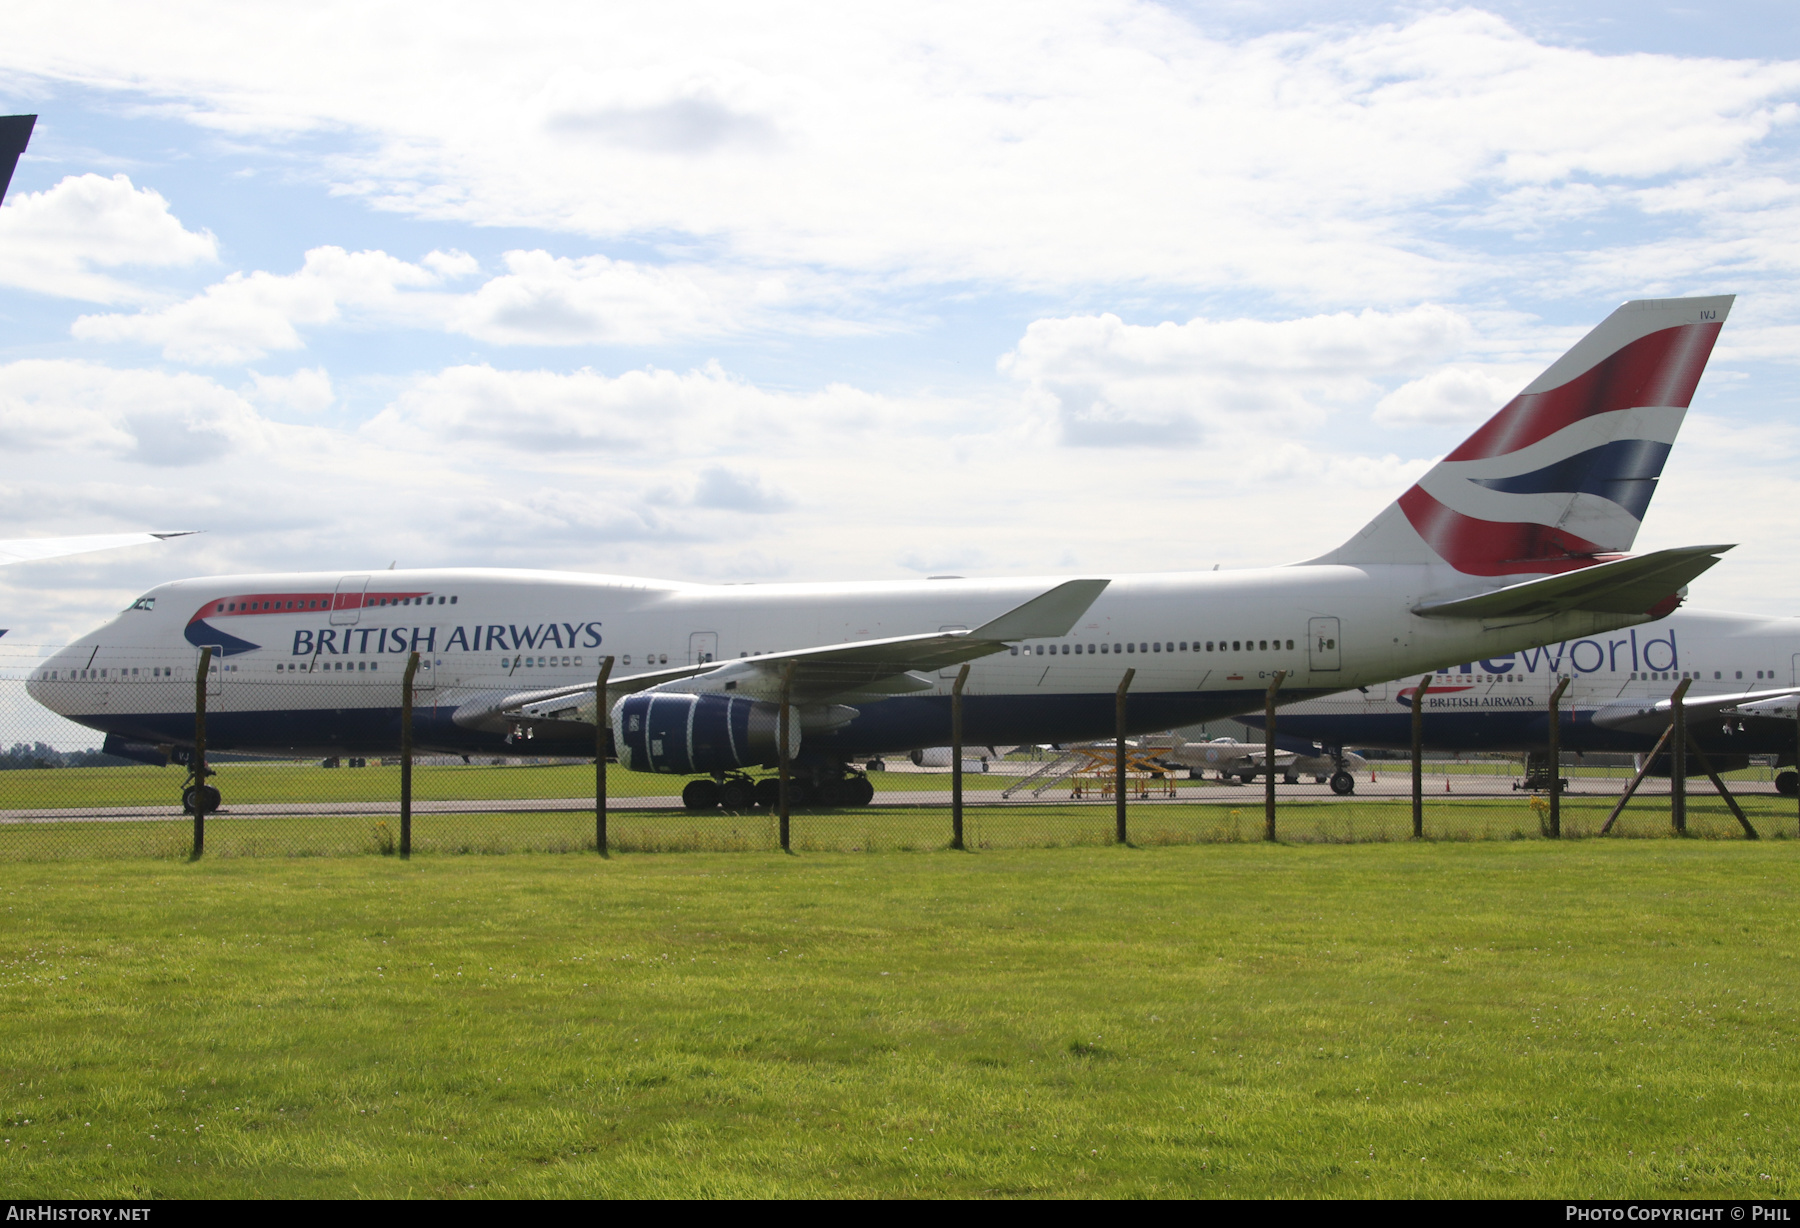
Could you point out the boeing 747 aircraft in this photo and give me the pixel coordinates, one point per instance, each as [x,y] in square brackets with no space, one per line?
[1516,539]
[1742,668]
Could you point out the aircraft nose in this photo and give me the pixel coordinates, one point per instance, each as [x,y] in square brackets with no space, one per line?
[47,683]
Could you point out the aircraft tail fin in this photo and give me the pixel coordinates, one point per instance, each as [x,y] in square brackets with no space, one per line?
[1560,478]
[15,134]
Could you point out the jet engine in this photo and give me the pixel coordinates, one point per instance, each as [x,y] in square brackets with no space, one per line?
[659,731]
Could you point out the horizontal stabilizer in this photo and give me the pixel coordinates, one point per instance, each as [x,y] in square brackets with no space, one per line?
[1624,586]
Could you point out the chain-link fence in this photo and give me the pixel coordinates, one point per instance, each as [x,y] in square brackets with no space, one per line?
[289,754]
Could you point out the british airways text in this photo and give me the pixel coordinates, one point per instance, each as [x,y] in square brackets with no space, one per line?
[338,641]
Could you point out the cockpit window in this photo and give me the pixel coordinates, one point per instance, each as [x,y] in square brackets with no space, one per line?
[144,603]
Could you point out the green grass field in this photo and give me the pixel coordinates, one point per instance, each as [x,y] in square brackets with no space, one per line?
[306,781]
[871,829]
[1595,1019]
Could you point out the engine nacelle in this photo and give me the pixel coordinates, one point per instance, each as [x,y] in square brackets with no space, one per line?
[659,731]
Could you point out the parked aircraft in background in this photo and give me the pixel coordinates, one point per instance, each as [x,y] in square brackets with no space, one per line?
[15,135]
[35,549]
[1516,539]
[1246,760]
[975,758]
[1744,670]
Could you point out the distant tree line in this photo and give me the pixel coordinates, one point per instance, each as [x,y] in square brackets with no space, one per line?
[38,755]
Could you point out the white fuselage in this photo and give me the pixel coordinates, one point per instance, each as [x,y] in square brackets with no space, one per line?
[1501,702]
[310,662]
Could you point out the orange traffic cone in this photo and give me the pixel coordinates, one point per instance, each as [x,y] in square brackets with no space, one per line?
[1446,784]
[1371,778]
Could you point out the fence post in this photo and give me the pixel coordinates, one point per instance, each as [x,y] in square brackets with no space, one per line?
[1678,761]
[600,730]
[1556,759]
[406,710]
[956,745]
[787,688]
[1418,756]
[1638,779]
[1707,767]
[197,768]
[1677,725]
[1269,755]
[1119,753]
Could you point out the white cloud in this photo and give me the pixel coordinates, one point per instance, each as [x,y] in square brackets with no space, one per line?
[57,241]
[545,300]
[1460,395]
[306,391]
[540,300]
[245,317]
[734,491]
[1106,382]
[150,417]
[1029,145]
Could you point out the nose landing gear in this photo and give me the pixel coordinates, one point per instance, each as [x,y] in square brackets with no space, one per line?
[198,797]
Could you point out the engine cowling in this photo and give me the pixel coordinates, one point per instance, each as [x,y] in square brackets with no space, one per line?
[659,731]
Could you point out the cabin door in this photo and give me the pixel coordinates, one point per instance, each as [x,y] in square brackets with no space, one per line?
[703,647]
[347,602]
[1322,644]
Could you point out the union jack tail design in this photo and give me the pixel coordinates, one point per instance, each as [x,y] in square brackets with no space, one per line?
[1560,478]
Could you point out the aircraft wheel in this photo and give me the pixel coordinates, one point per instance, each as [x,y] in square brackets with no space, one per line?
[1319,780]
[1787,783]
[700,794]
[768,793]
[738,795]
[858,791]
[1247,778]
[1343,783]
[197,798]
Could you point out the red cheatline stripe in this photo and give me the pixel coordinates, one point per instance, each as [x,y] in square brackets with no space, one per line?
[1494,547]
[1660,369]
[250,604]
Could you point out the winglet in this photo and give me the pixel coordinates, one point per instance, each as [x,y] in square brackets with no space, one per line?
[1045,616]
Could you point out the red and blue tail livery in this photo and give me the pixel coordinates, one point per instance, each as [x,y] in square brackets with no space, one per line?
[1561,477]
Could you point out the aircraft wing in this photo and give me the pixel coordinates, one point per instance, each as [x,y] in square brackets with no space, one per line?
[1222,754]
[1634,585]
[32,549]
[1652,717]
[889,666]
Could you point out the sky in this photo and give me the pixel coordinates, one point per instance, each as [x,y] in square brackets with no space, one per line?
[731,293]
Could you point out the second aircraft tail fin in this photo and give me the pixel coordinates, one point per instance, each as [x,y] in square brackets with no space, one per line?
[15,134]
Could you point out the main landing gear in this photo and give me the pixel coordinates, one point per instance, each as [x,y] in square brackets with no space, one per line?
[1342,782]
[1787,784]
[739,793]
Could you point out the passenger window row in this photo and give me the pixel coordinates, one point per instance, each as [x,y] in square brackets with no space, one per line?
[1670,675]
[1105,646]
